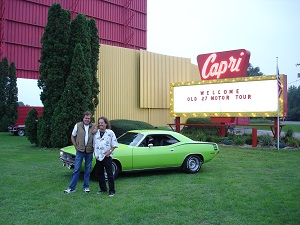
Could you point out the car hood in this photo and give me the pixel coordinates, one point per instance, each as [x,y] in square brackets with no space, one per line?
[71,149]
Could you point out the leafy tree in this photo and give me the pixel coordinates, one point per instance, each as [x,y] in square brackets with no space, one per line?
[74,100]
[31,126]
[294,103]
[54,67]
[12,95]
[253,71]
[3,94]
[95,46]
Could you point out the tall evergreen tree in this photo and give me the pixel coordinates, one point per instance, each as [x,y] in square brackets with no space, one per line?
[95,46]
[61,81]
[80,34]
[54,67]
[12,97]
[73,102]
[31,126]
[3,93]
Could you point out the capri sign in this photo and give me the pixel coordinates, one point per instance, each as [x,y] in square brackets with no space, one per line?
[220,65]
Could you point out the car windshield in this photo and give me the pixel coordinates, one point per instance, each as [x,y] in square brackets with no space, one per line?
[130,138]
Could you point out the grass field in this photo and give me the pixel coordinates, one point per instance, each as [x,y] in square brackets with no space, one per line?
[294,127]
[239,186]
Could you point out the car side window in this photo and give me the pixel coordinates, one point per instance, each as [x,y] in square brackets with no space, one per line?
[158,140]
[150,139]
[168,140]
[147,140]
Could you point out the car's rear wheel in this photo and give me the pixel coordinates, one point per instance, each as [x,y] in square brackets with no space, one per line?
[116,168]
[21,132]
[192,164]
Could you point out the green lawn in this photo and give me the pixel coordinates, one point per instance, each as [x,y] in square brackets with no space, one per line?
[239,186]
[294,127]
[286,127]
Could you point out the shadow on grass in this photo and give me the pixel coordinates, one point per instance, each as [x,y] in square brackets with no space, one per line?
[141,174]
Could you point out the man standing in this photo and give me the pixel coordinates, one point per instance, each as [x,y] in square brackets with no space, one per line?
[82,139]
[105,142]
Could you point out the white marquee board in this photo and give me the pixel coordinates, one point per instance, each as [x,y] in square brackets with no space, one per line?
[255,96]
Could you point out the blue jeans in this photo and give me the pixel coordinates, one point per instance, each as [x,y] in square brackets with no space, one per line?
[87,169]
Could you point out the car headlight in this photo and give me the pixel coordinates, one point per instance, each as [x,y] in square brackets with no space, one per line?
[215,147]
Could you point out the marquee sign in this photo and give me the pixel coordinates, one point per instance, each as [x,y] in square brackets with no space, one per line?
[244,96]
[220,65]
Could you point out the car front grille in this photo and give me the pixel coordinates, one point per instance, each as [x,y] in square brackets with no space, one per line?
[67,157]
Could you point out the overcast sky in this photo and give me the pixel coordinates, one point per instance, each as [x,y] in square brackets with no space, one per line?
[187,28]
[266,28]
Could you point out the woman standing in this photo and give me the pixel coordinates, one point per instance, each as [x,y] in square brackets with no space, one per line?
[105,142]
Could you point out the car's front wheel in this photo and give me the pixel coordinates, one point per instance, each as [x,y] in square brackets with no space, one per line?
[192,164]
[21,132]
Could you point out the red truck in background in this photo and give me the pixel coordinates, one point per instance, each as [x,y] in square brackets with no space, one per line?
[19,127]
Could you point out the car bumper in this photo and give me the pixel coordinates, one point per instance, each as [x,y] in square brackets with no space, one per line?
[12,129]
[67,159]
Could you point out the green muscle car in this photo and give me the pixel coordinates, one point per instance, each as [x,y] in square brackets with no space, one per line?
[153,149]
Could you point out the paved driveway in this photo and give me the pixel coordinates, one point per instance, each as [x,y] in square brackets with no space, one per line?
[260,132]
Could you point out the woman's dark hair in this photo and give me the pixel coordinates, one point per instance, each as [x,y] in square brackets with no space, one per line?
[105,121]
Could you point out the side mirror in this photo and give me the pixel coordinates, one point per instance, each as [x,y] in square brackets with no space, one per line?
[150,145]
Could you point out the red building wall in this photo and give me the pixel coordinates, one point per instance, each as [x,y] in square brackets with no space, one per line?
[120,23]
[23,113]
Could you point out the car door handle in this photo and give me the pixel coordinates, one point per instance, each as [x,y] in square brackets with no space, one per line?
[171,149]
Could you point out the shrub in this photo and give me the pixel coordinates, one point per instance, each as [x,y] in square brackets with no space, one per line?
[195,135]
[198,120]
[216,139]
[262,120]
[293,142]
[289,133]
[31,126]
[230,135]
[122,126]
[266,140]
[238,140]
[208,130]
[248,141]
[202,136]
[227,141]
[209,138]
[281,144]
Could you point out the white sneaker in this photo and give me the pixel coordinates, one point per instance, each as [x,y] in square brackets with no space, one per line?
[69,190]
[86,190]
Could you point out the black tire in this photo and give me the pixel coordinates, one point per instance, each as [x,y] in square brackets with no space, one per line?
[192,164]
[116,168]
[21,132]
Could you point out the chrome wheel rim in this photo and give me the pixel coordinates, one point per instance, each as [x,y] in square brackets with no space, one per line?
[193,164]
